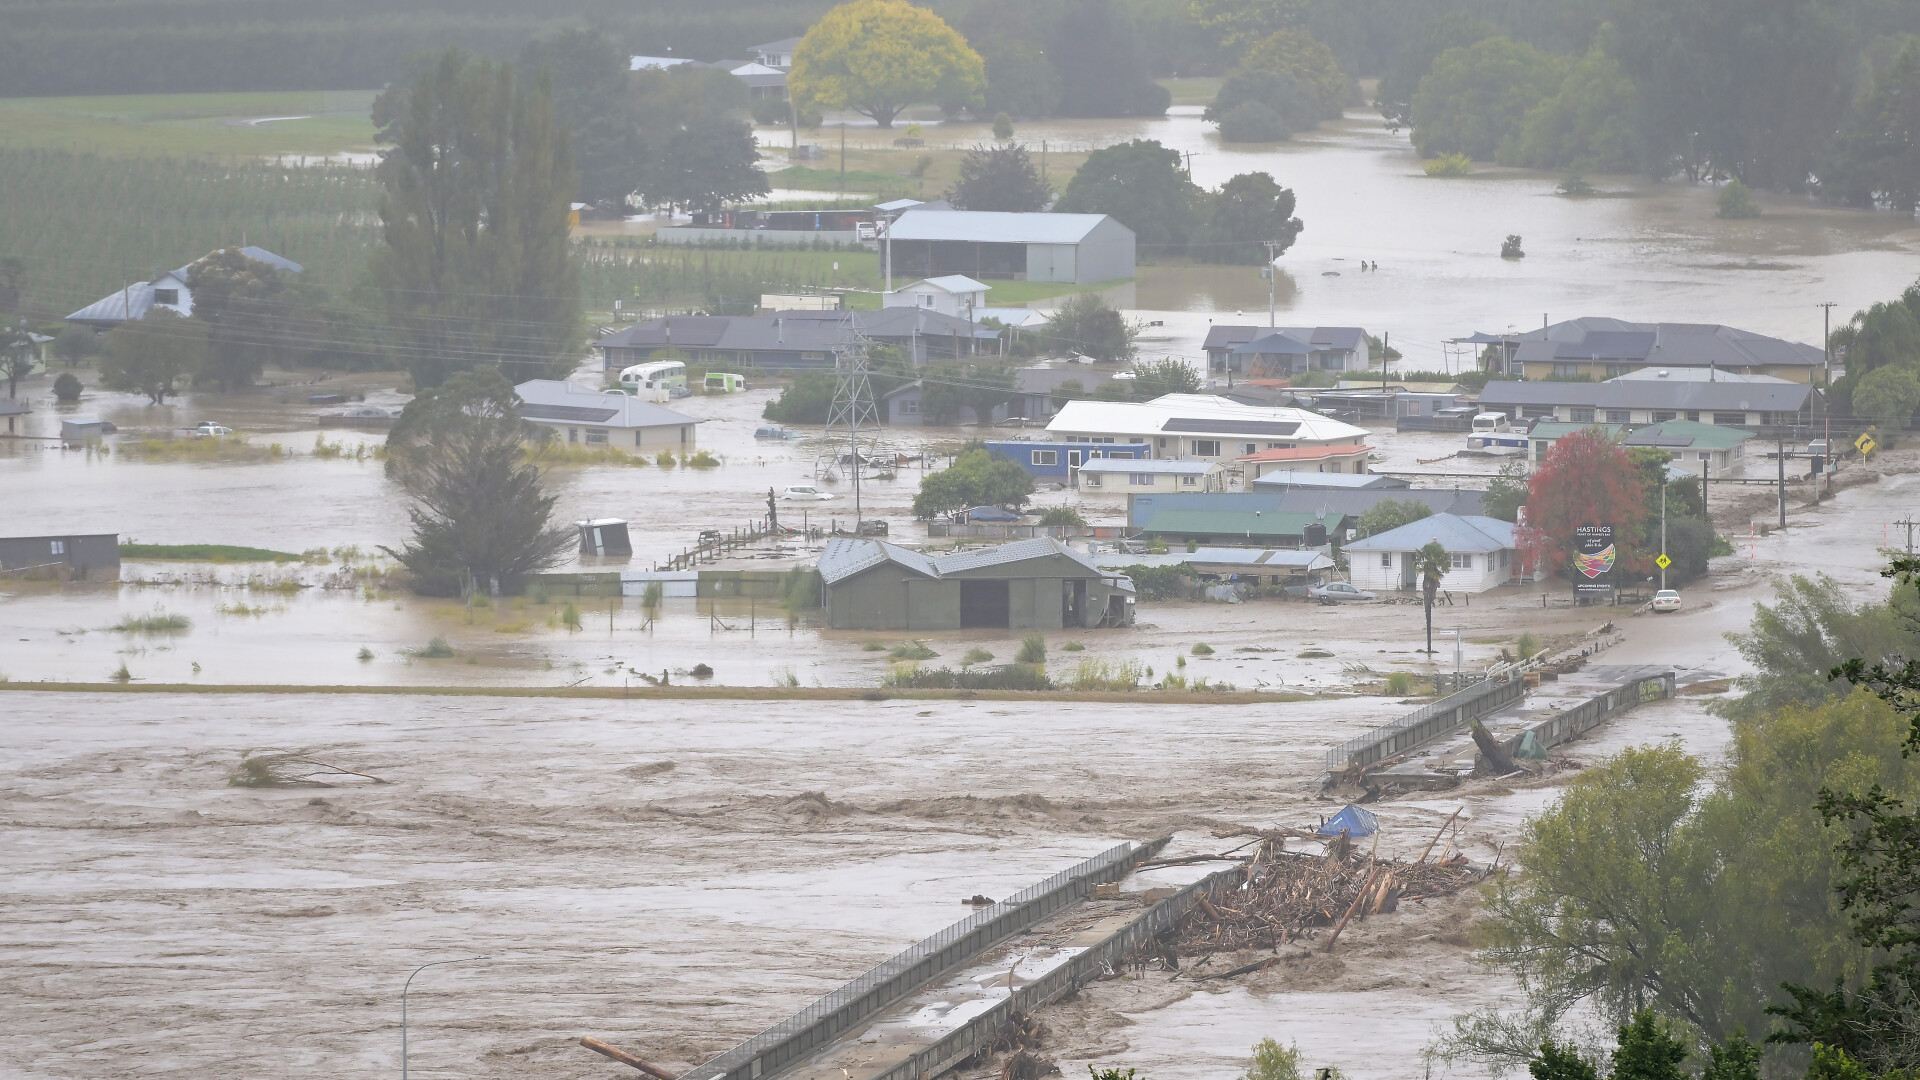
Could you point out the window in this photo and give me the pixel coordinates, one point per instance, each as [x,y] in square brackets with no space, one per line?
[573,434]
[1046,457]
[1091,479]
[1693,416]
[1566,370]
[1614,371]
[1249,448]
[1189,481]
[1136,442]
[1705,455]
[1580,416]
[1619,416]
[638,435]
[1460,560]
[1661,417]
[59,547]
[1730,419]
[1536,412]
[1276,446]
[1140,479]
[1161,443]
[683,435]
[926,301]
[596,436]
[1386,560]
[166,296]
[1206,447]
[910,406]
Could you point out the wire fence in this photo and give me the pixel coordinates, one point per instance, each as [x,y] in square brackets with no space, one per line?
[1454,711]
[833,1015]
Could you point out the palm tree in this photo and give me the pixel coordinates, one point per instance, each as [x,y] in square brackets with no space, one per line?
[1430,562]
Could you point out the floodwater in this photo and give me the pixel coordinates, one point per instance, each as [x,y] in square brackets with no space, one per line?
[1644,251]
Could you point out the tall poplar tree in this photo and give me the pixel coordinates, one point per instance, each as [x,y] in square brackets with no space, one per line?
[475,266]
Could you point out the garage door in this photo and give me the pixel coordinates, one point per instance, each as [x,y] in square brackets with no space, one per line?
[983,603]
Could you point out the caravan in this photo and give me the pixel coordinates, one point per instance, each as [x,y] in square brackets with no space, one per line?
[668,375]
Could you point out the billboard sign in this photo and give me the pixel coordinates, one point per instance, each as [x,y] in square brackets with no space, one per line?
[1593,560]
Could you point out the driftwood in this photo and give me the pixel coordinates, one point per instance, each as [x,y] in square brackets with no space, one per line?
[1490,748]
[624,1058]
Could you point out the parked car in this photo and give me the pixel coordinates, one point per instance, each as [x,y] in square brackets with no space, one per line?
[209,429]
[1335,592]
[805,493]
[1665,600]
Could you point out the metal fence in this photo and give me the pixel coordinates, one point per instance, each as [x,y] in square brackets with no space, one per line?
[838,1012]
[1452,712]
[1081,969]
[1589,714]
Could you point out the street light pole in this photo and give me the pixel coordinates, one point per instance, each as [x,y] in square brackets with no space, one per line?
[403,1004]
[1663,524]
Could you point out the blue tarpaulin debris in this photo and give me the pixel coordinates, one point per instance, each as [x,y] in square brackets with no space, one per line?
[1353,821]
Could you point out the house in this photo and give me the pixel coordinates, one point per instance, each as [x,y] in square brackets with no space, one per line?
[1603,348]
[1547,432]
[11,409]
[170,290]
[1038,584]
[902,406]
[1754,405]
[981,244]
[1393,404]
[1115,476]
[1052,379]
[1278,351]
[1480,554]
[763,82]
[1059,463]
[1232,519]
[1722,450]
[73,557]
[791,340]
[954,294]
[1285,479]
[1203,426]
[604,418]
[776,54]
[1353,504]
[1351,460]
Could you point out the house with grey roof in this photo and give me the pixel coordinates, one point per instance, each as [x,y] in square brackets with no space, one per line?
[1604,348]
[1481,553]
[1119,477]
[1756,406]
[988,244]
[1039,584]
[172,290]
[585,417]
[792,340]
[1260,352]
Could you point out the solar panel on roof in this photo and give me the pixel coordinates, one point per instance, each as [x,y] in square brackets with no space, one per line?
[568,412]
[1233,427]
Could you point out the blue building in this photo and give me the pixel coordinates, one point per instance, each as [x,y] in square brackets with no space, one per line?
[1059,463]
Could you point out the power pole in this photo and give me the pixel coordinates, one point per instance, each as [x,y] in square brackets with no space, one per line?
[1781,458]
[853,410]
[1826,355]
[1270,275]
[1663,528]
[1909,523]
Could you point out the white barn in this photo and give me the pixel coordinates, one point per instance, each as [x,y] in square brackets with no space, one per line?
[983,244]
[587,417]
[1480,549]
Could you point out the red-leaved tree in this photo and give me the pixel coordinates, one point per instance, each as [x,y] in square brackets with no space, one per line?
[1586,479]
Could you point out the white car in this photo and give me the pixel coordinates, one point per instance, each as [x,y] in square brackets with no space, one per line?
[805,493]
[1665,600]
[1336,592]
[208,429]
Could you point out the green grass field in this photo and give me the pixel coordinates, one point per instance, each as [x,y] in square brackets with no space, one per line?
[1198,90]
[216,553]
[318,124]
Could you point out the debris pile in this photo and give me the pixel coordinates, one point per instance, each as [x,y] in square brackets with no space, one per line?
[1288,895]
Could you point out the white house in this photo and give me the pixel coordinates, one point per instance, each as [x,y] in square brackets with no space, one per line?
[1119,476]
[1200,426]
[1480,550]
[604,418]
[170,290]
[954,294]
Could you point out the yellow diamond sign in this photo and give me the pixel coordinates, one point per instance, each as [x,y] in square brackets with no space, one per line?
[1865,444]
[1663,562]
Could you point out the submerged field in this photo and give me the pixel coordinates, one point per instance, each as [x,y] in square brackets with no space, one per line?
[304,123]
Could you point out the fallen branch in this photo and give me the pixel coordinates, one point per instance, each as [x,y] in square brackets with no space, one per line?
[624,1058]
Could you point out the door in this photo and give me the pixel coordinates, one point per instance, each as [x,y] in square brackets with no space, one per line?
[1074,458]
[1406,570]
[985,604]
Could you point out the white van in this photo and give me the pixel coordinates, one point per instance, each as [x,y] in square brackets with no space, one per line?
[655,375]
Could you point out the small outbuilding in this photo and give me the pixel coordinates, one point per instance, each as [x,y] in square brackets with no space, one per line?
[1480,553]
[74,557]
[1039,584]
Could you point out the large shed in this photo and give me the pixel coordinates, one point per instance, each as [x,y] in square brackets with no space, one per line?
[1038,584]
[71,557]
[990,244]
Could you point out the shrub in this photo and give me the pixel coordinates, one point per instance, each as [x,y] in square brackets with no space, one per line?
[67,387]
[1003,127]
[1510,247]
[1092,673]
[364,653]
[1033,649]
[1399,684]
[913,650]
[1448,165]
[1313,654]
[1255,122]
[121,674]
[1004,677]
[1736,201]
[665,460]
[975,656]
[1201,648]
[1073,646]
[1527,645]
[1271,1061]
[1573,184]
[1062,516]
[700,671]
[437,649]
[1159,582]
[570,616]
[701,459]
[873,646]
[160,622]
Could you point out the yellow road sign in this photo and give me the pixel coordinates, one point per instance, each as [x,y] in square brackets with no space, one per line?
[1663,562]
[1865,444]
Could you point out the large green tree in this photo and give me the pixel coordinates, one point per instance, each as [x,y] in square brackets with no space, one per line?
[1085,323]
[475,264]
[1021,81]
[1102,67]
[999,178]
[1477,96]
[152,355]
[1143,185]
[876,57]
[1248,213]
[1877,158]
[695,147]
[1590,124]
[481,514]
[589,73]
[249,311]
[976,478]
[1295,55]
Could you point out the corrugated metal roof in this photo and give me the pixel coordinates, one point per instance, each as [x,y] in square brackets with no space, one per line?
[1651,394]
[1454,532]
[1157,417]
[1670,344]
[1248,523]
[843,557]
[1283,479]
[1278,344]
[553,399]
[996,227]
[1689,433]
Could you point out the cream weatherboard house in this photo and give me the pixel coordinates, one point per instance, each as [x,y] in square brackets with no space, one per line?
[1480,554]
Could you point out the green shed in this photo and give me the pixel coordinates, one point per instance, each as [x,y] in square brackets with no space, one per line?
[1039,584]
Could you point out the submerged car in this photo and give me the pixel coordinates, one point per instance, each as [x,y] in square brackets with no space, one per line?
[210,429]
[1665,600]
[805,493]
[1335,592]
